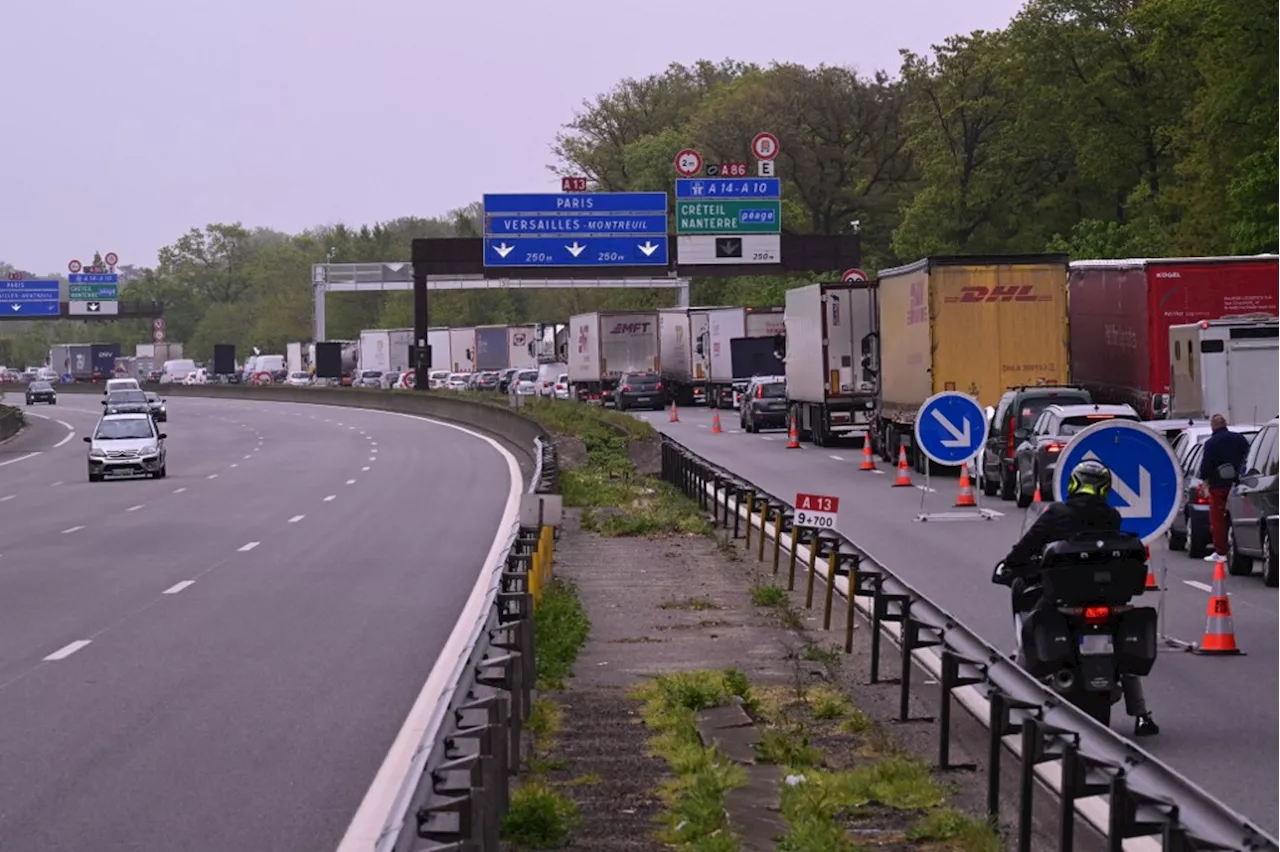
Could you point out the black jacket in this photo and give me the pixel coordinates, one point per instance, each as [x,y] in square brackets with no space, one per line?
[1080,513]
[1223,447]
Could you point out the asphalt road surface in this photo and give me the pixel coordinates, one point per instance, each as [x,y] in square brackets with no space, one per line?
[1218,715]
[220,660]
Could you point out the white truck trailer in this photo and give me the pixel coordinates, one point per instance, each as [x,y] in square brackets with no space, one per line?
[1229,366]
[606,344]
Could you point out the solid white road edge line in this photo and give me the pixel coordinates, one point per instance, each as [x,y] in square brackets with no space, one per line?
[19,458]
[177,587]
[1094,809]
[67,650]
[393,782]
[7,497]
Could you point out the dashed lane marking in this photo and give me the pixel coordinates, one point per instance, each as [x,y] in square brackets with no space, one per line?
[7,497]
[177,587]
[67,650]
[331,498]
[366,468]
[927,488]
[351,482]
[373,458]
[1196,584]
[72,529]
[56,484]
[245,548]
[248,457]
[837,458]
[212,476]
[235,464]
[134,508]
[179,490]
[296,518]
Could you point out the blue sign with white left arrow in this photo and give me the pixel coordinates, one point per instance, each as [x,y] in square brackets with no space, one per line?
[576,229]
[951,427]
[1146,479]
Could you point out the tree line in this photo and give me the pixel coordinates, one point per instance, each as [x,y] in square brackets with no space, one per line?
[1104,128]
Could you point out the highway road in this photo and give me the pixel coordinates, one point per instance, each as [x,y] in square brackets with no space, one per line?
[222,659]
[1218,715]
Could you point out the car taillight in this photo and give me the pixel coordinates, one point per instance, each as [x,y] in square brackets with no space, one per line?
[1202,494]
[626,388]
[759,391]
[1097,614]
[1009,445]
[1054,448]
[658,386]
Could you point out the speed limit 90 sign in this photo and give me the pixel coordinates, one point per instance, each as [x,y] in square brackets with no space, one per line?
[817,511]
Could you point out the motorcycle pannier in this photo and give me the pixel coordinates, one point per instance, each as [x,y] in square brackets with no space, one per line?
[1046,641]
[1136,641]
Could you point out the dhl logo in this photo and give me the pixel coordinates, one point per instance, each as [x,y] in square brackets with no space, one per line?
[1025,293]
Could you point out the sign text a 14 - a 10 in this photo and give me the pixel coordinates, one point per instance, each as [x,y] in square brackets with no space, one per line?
[816,510]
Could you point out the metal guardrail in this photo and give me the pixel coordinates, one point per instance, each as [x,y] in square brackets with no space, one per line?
[458,789]
[1097,774]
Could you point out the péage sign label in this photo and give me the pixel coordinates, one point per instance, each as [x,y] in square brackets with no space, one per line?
[817,511]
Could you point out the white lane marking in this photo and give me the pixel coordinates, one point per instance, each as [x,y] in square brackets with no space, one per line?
[702,425]
[72,529]
[248,457]
[926,488]
[1196,584]
[351,482]
[7,497]
[374,450]
[212,476]
[375,808]
[296,518]
[365,468]
[235,464]
[372,459]
[331,498]
[988,511]
[179,490]
[373,443]
[56,484]
[255,449]
[250,546]
[879,471]
[342,424]
[765,437]
[19,458]
[67,650]
[352,428]
[177,587]
[134,508]
[837,458]
[70,435]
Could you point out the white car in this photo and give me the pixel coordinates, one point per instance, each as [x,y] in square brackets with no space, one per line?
[126,445]
[437,379]
[458,381]
[561,387]
[526,383]
[298,379]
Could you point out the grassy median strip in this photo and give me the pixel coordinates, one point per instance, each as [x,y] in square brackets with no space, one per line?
[540,815]
[695,798]
[11,420]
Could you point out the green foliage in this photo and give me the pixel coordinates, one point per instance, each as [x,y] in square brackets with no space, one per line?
[540,817]
[11,420]
[560,630]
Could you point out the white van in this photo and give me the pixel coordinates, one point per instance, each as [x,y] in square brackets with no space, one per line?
[177,370]
[121,384]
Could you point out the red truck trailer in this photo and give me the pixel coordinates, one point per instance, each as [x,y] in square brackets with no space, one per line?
[1120,312]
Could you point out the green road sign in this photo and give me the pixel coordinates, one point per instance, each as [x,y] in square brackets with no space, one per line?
[92,292]
[739,216]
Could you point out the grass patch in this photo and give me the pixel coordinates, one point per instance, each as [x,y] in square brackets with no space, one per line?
[540,817]
[768,594]
[694,817]
[560,629]
[954,829]
[11,420]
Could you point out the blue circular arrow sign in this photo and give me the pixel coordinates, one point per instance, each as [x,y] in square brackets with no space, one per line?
[1146,479]
[951,427]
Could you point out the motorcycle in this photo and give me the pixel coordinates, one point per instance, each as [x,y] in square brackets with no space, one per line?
[1080,633]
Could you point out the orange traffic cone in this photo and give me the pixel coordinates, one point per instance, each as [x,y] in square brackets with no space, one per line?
[1035,498]
[868,460]
[904,474]
[1152,585]
[715,421]
[793,436]
[965,497]
[1219,631]
[675,415]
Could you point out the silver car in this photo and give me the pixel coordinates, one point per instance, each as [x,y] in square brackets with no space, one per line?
[126,445]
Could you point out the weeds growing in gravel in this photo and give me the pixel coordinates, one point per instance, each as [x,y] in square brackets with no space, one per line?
[539,817]
[560,629]
[768,594]
[695,816]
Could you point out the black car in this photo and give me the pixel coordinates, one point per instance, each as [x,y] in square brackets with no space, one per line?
[764,404]
[41,392]
[1252,508]
[641,389]
[1036,458]
[1015,414]
[127,402]
[159,411]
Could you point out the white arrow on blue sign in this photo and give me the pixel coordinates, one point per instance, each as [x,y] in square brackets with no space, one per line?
[1146,479]
[951,427]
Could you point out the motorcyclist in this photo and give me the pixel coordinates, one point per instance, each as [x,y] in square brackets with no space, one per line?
[1085,509]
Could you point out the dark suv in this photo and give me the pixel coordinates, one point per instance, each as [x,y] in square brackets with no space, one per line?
[1015,414]
[764,404]
[641,389]
[1036,458]
[1252,507]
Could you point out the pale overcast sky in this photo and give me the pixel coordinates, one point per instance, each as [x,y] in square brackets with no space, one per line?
[130,121]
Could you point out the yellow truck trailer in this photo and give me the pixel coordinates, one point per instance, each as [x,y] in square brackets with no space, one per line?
[978,325]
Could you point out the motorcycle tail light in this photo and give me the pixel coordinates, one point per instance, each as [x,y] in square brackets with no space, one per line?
[1054,448]
[1097,614]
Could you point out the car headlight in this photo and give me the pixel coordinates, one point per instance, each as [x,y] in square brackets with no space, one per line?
[96,453]
[150,450]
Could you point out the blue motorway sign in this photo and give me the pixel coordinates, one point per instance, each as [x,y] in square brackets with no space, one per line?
[702,188]
[29,298]
[577,223]
[1146,479]
[575,251]
[94,278]
[576,229]
[951,427]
